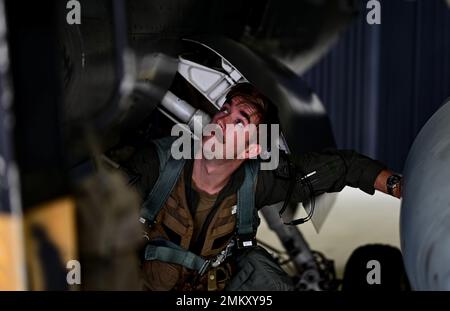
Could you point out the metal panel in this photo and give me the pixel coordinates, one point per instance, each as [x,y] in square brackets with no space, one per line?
[426,210]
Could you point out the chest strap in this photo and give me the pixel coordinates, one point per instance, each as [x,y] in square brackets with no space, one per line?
[166,251]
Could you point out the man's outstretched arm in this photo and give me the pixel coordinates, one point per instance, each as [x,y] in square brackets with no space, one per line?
[328,171]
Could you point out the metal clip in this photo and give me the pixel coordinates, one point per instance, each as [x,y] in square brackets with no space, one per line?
[204,267]
[223,255]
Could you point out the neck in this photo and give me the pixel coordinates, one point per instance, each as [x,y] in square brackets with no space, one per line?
[211,176]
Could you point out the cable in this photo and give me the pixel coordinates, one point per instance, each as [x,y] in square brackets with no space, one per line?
[303,179]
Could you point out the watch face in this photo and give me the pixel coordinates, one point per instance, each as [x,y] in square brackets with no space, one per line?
[392,182]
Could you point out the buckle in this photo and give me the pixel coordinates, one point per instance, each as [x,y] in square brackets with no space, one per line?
[245,241]
[223,255]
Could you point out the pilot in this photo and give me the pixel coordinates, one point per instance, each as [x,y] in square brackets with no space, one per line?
[199,215]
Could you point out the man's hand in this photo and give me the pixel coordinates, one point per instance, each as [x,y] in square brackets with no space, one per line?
[381,181]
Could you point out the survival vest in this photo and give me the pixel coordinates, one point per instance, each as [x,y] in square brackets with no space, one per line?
[160,209]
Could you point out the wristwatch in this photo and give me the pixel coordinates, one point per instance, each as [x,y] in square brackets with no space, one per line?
[393,182]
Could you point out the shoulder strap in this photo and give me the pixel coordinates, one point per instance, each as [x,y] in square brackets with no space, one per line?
[163,147]
[246,230]
[169,172]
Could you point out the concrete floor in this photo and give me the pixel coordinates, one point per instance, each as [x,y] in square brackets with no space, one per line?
[355,219]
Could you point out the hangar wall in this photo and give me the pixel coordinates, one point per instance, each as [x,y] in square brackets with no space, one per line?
[381,83]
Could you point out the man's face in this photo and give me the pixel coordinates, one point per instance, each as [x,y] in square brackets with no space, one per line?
[237,119]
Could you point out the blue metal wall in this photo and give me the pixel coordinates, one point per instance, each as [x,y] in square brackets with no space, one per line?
[381,83]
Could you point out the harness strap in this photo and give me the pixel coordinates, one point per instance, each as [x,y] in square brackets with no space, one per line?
[246,206]
[167,251]
[170,170]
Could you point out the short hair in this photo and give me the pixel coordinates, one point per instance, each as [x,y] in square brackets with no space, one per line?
[252,95]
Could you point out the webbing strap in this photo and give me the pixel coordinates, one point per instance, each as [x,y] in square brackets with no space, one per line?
[167,251]
[170,170]
[246,204]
